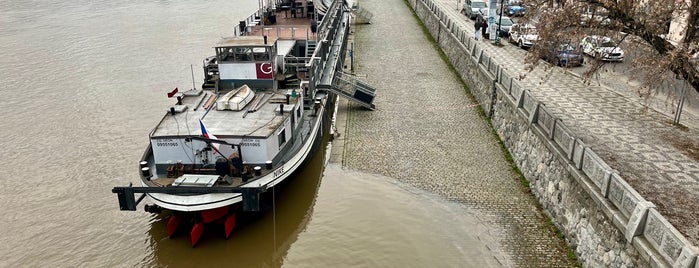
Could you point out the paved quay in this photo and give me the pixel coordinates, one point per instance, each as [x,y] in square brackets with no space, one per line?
[659,161]
[426,132]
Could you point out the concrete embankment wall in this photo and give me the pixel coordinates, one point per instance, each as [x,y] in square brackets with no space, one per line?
[604,220]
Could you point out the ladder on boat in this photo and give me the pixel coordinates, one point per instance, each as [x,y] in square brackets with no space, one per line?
[310,47]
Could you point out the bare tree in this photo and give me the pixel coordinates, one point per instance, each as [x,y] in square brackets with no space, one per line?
[643,24]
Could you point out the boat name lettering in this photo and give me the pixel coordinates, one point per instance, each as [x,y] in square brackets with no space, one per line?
[250,143]
[166,143]
[279,172]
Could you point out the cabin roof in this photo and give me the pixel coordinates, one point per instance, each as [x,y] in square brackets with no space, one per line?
[226,123]
[245,40]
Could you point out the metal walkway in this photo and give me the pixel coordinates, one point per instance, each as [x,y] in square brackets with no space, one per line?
[330,53]
[347,86]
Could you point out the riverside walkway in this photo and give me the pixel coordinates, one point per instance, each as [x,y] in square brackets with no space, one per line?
[425,133]
[658,160]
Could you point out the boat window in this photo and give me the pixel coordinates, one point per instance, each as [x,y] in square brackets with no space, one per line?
[243,54]
[225,53]
[282,137]
[261,53]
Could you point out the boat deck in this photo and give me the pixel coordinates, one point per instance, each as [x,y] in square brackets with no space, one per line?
[286,25]
[226,123]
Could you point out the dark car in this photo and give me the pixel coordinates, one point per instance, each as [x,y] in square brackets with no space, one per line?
[511,8]
[503,23]
[563,54]
[515,10]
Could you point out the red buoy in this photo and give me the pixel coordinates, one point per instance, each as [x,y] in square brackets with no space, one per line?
[211,215]
[172,224]
[229,225]
[197,232]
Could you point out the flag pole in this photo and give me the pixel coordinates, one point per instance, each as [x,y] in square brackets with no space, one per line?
[192,69]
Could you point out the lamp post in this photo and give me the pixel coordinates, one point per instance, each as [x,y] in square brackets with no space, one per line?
[497,32]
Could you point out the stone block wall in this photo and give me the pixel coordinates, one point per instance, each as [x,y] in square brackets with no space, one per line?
[604,220]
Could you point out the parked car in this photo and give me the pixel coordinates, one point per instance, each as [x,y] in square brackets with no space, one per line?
[505,24]
[603,47]
[515,10]
[512,8]
[525,36]
[563,54]
[472,8]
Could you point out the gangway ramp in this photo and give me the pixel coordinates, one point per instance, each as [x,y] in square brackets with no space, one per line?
[348,86]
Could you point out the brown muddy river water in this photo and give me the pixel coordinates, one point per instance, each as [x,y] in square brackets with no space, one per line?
[83,83]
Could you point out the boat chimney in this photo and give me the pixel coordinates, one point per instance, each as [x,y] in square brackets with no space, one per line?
[143,164]
[287,98]
[264,37]
[268,164]
[172,110]
[281,108]
[179,100]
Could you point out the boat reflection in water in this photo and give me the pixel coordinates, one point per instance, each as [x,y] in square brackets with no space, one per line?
[259,239]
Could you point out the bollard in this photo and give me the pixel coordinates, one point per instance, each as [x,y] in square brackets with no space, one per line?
[258,170]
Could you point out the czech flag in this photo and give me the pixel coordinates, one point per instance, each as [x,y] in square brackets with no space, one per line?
[207,134]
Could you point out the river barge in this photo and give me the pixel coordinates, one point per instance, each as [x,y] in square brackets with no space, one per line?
[257,118]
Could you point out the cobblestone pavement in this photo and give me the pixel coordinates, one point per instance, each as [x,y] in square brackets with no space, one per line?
[660,161]
[426,132]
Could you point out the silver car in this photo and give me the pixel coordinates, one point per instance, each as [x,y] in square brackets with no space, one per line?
[603,47]
[474,7]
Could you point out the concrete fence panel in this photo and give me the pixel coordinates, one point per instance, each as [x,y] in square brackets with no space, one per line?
[672,246]
[618,190]
[492,66]
[477,53]
[597,170]
[466,40]
[578,153]
[506,81]
[546,120]
[528,103]
[483,59]
[515,90]
[564,138]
